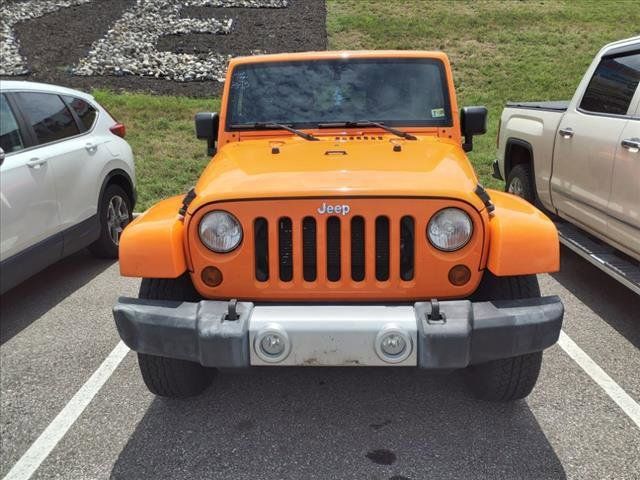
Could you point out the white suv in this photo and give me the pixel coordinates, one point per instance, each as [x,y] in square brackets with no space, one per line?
[67,178]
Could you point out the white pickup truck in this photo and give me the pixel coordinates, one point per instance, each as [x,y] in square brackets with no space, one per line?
[580,160]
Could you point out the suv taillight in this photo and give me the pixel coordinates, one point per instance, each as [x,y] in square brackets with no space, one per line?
[119,130]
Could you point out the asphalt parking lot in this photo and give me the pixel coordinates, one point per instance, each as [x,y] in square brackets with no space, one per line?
[57,329]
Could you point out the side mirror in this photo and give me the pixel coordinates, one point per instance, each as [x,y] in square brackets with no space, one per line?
[207,124]
[473,121]
[1,156]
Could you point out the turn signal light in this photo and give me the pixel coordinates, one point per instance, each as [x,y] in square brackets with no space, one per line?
[211,276]
[459,275]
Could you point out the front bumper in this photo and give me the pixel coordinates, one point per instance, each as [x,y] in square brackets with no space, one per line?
[464,333]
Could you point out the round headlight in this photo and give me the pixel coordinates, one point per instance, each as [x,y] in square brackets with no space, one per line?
[220,231]
[450,229]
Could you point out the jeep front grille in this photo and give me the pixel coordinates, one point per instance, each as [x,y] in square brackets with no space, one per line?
[294,251]
[334,248]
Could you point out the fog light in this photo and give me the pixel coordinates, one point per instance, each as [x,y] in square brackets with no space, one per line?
[211,276]
[272,344]
[459,275]
[393,344]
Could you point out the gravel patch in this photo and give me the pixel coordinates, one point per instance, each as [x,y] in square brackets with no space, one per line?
[130,46]
[13,13]
[160,46]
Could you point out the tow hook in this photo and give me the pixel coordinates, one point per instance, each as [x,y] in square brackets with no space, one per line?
[436,316]
[232,310]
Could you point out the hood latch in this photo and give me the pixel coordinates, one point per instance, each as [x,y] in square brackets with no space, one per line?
[186,201]
[486,199]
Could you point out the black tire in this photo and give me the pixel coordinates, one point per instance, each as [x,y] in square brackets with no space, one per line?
[520,182]
[508,379]
[505,380]
[170,377]
[106,246]
[179,289]
[506,288]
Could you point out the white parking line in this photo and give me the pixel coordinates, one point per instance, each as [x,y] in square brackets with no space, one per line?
[46,442]
[628,405]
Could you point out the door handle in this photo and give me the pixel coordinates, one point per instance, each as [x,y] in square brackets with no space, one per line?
[90,147]
[631,144]
[36,163]
[566,132]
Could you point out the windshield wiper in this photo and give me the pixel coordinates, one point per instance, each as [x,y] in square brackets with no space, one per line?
[275,126]
[368,123]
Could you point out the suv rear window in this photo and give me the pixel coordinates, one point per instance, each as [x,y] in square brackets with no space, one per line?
[10,138]
[613,85]
[48,115]
[83,109]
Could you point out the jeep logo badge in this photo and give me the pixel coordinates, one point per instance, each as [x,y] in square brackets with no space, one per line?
[338,209]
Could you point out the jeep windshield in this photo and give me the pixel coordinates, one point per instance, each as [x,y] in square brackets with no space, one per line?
[352,92]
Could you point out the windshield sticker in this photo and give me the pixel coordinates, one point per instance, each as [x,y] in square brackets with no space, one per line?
[437,112]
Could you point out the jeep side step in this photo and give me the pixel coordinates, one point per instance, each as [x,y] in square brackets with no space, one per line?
[606,258]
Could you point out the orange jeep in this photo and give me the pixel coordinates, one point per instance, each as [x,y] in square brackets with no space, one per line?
[340,223]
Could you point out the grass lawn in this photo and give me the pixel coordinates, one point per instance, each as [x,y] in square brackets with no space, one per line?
[161,131]
[500,50]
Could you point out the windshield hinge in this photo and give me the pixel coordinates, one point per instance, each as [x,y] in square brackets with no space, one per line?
[486,199]
[186,201]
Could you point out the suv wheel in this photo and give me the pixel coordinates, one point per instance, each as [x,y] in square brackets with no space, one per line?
[520,182]
[114,214]
[507,379]
[170,377]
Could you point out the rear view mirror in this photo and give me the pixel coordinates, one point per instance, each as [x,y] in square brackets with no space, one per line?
[473,121]
[207,124]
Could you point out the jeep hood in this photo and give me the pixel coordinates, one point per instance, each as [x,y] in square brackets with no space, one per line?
[259,169]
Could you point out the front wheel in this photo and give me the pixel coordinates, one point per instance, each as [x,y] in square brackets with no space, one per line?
[171,377]
[114,214]
[506,379]
[520,182]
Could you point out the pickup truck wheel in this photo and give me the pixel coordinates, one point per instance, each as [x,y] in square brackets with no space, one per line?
[114,214]
[520,182]
[508,379]
[170,377]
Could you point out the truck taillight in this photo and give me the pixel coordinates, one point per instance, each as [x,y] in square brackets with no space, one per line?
[119,130]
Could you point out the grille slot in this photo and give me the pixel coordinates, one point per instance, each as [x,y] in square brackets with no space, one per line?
[285,246]
[309,249]
[261,246]
[407,248]
[357,249]
[382,249]
[333,249]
